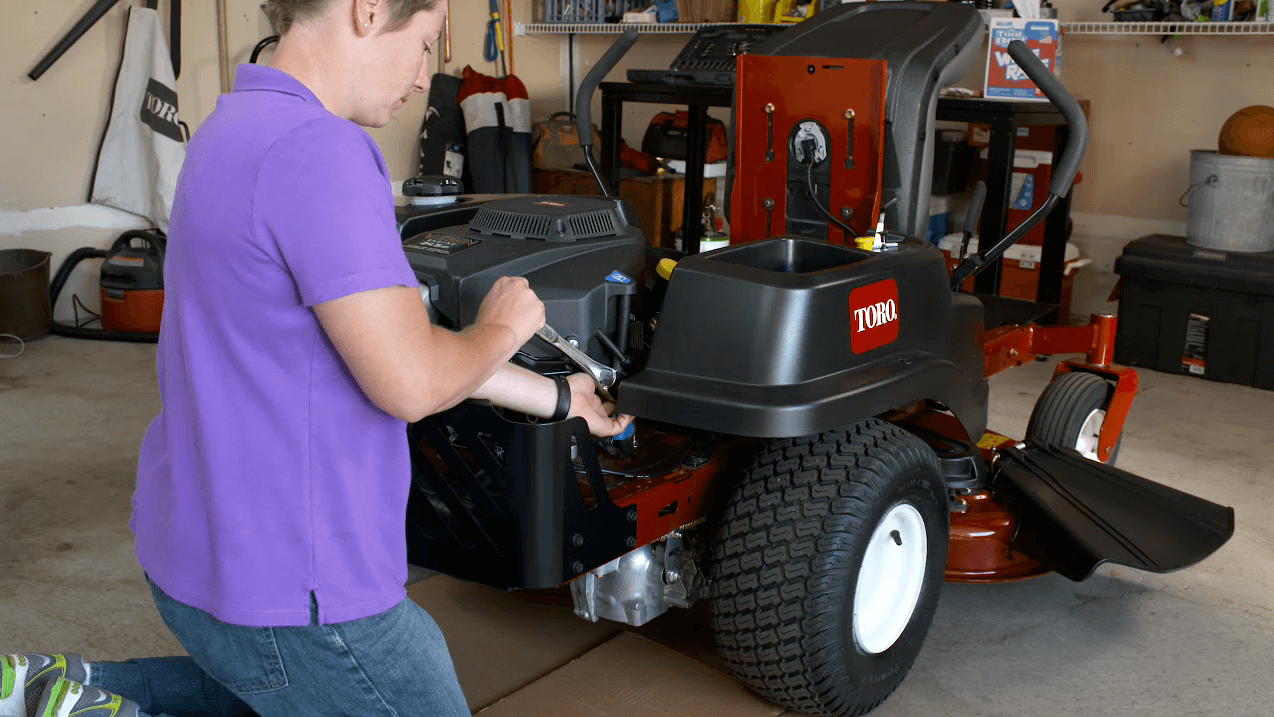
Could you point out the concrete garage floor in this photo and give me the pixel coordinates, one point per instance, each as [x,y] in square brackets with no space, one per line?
[1197,642]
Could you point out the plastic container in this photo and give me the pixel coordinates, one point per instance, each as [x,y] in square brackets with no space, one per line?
[25,309]
[586,11]
[1203,312]
[1231,202]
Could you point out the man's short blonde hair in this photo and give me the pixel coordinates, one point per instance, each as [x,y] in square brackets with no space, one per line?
[284,13]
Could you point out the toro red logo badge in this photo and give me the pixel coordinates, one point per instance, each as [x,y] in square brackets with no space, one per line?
[873,316]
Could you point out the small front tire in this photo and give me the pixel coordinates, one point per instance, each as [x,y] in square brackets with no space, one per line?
[1070,414]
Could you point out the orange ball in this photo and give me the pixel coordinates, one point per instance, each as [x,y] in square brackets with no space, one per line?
[1248,133]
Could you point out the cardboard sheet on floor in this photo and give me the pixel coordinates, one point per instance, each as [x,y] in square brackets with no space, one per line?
[631,676]
[501,642]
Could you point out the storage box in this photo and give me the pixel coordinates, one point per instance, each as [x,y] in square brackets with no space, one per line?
[707,10]
[659,199]
[1203,312]
[1004,79]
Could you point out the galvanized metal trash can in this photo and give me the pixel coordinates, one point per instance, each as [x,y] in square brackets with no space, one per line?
[25,309]
[1231,202]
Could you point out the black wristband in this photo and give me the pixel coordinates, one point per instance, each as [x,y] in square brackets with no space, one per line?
[563,399]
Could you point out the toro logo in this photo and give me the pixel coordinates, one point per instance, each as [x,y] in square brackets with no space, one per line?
[873,316]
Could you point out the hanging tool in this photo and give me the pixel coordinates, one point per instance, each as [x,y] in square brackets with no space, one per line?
[446,43]
[494,47]
[95,13]
[508,32]
[223,47]
[90,18]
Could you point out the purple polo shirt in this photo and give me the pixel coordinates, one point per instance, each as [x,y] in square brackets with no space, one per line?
[268,475]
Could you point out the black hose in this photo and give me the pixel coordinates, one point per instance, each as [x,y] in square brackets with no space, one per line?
[256,51]
[76,332]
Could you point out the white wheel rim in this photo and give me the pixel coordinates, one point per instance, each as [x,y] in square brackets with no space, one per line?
[1090,435]
[890,579]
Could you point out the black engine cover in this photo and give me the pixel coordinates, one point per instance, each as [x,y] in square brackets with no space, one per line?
[577,252]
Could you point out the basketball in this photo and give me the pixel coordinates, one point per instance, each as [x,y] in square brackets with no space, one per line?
[1249,133]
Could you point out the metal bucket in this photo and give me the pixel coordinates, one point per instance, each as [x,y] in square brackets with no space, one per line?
[1231,202]
[25,309]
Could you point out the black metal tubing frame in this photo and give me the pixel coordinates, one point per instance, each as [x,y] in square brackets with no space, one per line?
[698,99]
[1005,118]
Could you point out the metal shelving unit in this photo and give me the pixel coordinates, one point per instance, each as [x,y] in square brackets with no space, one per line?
[1077,28]
[1169,28]
[607,28]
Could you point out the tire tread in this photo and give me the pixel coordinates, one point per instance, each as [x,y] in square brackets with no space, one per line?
[775,607]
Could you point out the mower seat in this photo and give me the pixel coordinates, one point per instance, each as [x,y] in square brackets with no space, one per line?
[928,46]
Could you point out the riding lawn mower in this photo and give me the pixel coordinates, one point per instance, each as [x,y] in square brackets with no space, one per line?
[810,454]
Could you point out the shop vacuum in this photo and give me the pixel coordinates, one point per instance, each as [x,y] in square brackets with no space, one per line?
[132,288]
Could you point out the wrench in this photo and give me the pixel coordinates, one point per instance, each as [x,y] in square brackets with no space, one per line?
[604,376]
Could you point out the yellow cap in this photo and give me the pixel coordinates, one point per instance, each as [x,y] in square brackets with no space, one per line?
[665,268]
[864,243]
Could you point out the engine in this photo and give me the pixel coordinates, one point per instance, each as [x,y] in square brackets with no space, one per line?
[584,257]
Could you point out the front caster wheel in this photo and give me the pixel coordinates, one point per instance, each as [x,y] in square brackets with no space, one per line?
[1070,414]
[826,568]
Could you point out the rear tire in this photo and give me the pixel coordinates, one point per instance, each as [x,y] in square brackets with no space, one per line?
[1071,412]
[827,565]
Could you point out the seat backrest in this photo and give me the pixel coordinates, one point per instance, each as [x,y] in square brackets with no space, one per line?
[928,46]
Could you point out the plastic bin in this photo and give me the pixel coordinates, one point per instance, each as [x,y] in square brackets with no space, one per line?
[1196,311]
[25,309]
[585,11]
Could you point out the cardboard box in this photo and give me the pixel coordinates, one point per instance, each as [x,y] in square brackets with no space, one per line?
[501,642]
[1004,79]
[633,677]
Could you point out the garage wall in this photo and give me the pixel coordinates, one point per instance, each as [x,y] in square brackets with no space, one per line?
[1149,109]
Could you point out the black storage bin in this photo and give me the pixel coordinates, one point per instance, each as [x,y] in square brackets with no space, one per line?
[1184,309]
[501,503]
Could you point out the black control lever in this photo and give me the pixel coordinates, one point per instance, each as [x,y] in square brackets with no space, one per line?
[971,219]
[584,101]
[1064,170]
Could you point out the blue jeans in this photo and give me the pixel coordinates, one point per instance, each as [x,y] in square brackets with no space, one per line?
[394,663]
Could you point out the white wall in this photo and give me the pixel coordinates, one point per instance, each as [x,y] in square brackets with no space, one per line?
[1149,109]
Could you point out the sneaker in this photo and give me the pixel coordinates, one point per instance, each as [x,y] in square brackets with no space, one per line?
[64,698]
[22,676]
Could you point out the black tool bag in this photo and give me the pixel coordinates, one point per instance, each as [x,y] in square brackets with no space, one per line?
[442,133]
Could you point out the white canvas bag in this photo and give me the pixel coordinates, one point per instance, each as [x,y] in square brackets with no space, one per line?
[145,142]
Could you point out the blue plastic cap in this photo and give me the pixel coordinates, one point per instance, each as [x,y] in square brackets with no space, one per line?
[627,432]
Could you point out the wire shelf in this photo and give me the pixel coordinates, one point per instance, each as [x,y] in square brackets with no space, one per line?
[1169,28]
[1077,28]
[607,28]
